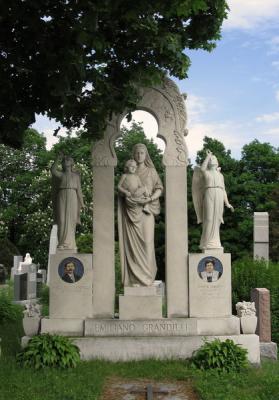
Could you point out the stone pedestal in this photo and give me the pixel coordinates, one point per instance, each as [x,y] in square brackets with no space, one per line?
[142,302]
[70,299]
[212,297]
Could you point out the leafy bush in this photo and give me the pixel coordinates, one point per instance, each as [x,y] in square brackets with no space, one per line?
[8,310]
[49,351]
[221,356]
[248,274]
[44,300]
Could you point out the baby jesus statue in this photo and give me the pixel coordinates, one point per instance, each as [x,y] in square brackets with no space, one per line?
[131,186]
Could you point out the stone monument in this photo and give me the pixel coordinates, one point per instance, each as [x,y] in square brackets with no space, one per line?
[261,235]
[198,286]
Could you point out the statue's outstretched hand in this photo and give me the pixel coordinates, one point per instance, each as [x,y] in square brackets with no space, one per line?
[230,207]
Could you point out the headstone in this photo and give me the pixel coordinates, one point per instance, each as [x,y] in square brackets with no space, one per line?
[261,297]
[25,283]
[41,279]
[17,261]
[261,235]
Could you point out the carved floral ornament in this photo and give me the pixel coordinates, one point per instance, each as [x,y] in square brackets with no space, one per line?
[167,105]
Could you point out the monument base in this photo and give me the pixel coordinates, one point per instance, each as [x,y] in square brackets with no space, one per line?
[162,338]
[162,348]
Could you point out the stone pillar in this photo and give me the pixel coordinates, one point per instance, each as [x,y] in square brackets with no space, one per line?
[103,242]
[261,297]
[176,229]
[261,235]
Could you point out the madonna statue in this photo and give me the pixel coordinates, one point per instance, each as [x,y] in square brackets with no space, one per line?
[136,220]
[67,202]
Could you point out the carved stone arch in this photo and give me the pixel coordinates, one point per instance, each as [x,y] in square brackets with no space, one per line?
[167,105]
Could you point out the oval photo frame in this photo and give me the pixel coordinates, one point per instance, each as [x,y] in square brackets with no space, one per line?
[210,269]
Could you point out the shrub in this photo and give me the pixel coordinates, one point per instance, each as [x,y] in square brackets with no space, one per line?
[49,351]
[221,356]
[44,300]
[248,274]
[8,310]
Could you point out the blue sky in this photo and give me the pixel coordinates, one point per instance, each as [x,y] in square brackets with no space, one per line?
[233,92]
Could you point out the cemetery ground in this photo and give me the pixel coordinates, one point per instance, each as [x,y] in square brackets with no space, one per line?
[94,379]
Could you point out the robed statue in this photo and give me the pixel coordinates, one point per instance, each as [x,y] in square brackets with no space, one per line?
[67,202]
[209,196]
[139,190]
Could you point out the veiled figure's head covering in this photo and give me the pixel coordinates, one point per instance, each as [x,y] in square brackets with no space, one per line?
[147,162]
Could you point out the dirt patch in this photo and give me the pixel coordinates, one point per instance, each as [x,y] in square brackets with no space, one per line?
[136,389]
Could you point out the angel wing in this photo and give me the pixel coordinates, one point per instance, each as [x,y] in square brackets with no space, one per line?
[198,193]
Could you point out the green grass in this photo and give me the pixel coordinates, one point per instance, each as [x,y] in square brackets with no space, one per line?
[87,380]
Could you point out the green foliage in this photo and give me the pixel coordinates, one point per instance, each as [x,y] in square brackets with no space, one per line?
[7,250]
[85,243]
[248,274]
[44,300]
[220,356]
[8,310]
[80,61]
[49,351]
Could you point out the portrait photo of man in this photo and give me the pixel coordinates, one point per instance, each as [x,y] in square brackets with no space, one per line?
[70,274]
[210,273]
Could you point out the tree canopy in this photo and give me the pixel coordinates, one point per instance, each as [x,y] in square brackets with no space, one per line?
[79,61]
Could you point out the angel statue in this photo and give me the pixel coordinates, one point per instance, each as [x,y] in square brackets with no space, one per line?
[68,201]
[209,196]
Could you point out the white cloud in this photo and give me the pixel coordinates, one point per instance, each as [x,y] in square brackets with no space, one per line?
[227,132]
[272,117]
[249,14]
[277,95]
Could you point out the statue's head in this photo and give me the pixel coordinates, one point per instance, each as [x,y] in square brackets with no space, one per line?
[213,162]
[130,166]
[139,153]
[67,163]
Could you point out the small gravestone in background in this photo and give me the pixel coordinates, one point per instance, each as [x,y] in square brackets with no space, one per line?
[261,297]
[17,261]
[3,274]
[261,235]
[41,279]
[25,280]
